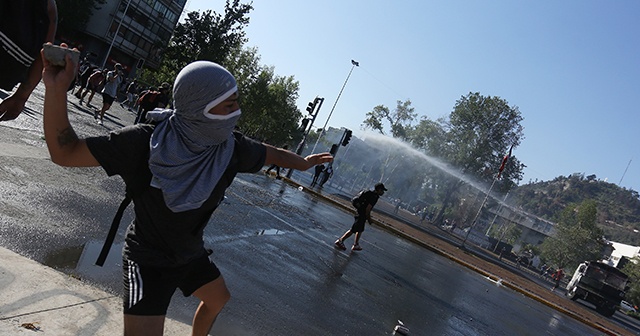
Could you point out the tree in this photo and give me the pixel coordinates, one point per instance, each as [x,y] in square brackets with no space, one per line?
[474,138]
[73,15]
[268,101]
[203,36]
[577,238]
[632,269]
[400,120]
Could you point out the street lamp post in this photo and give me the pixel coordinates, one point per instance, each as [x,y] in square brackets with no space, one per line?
[353,65]
[104,63]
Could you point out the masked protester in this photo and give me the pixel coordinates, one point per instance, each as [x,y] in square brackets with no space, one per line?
[178,170]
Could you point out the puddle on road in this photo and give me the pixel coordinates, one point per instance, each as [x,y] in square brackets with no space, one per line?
[214,239]
[270,232]
[81,260]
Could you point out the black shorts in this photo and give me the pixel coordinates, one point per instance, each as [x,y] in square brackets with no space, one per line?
[148,290]
[107,99]
[359,222]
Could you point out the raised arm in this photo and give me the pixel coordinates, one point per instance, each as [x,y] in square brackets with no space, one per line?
[65,148]
[287,159]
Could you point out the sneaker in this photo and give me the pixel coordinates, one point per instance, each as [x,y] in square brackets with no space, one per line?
[99,121]
[339,245]
[356,248]
[95,115]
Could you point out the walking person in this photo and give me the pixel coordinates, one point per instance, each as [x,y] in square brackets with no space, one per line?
[364,203]
[328,172]
[110,91]
[177,172]
[24,27]
[84,79]
[132,94]
[319,169]
[152,99]
[95,84]
[557,277]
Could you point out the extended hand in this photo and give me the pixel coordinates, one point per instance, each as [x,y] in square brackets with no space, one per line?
[320,158]
[11,107]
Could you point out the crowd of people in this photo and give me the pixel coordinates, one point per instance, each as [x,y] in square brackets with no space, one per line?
[113,86]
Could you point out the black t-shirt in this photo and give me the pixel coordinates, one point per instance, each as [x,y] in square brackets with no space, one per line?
[369,197]
[159,236]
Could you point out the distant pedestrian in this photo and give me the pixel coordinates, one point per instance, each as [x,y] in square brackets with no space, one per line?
[132,92]
[24,27]
[363,203]
[276,167]
[423,215]
[83,82]
[95,84]
[326,175]
[110,91]
[152,99]
[397,206]
[318,170]
[543,270]
[557,277]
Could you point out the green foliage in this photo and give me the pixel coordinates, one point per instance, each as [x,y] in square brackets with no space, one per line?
[473,139]
[203,36]
[400,119]
[577,239]
[73,15]
[618,208]
[268,101]
[632,269]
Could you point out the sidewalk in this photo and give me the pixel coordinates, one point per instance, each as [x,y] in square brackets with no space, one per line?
[37,296]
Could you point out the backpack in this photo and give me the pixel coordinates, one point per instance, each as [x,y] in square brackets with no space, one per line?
[358,201]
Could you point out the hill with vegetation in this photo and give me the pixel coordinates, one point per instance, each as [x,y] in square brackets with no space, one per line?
[618,208]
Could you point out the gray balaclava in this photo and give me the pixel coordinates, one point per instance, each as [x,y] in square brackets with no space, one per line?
[190,151]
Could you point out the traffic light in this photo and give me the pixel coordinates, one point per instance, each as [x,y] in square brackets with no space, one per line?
[347,137]
[304,124]
[334,149]
[311,107]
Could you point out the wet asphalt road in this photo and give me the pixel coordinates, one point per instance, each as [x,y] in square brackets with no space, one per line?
[273,244]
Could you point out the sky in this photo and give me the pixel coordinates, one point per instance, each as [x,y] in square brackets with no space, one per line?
[571,67]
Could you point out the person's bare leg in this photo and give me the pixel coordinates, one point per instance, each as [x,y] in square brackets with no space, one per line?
[357,239]
[213,296]
[135,325]
[345,236]
[105,107]
[90,97]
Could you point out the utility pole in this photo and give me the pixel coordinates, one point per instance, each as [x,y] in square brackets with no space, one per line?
[307,124]
[104,63]
[353,65]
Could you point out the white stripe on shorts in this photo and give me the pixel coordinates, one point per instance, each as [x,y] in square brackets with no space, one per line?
[135,283]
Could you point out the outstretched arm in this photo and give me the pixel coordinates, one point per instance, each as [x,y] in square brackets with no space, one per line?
[65,148]
[287,159]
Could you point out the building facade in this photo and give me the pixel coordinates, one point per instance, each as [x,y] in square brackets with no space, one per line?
[133,33]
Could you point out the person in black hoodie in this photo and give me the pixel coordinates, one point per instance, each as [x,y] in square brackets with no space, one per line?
[24,27]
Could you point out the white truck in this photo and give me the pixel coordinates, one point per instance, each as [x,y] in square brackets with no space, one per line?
[600,284]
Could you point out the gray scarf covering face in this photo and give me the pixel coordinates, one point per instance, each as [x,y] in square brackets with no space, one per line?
[189,150]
